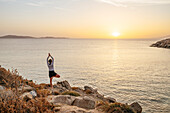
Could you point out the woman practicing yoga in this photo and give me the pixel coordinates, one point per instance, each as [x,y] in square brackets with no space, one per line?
[52,74]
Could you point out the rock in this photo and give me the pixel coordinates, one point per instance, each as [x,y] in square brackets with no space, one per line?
[135,106]
[89,90]
[85,102]
[64,99]
[2,87]
[25,88]
[162,44]
[28,95]
[64,84]
[33,93]
[110,99]
[77,89]
[75,109]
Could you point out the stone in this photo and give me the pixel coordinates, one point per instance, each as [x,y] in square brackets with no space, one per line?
[89,90]
[85,102]
[2,87]
[26,96]
[64,84]
[136,107]
[64,99]
[33,93]
[110,99]
[75,109]
[25,88]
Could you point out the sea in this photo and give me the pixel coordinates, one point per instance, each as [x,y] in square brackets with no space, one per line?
[127,70]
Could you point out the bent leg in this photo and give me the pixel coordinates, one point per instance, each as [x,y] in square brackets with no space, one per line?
[57,76]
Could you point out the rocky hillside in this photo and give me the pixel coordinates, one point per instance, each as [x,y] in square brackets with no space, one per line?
[21,95]
[162,44]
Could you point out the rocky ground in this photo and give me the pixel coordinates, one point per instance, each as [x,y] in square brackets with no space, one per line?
[162,44]
[22,95]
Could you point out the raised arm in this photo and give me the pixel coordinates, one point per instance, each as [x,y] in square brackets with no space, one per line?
[52,60]
[47,59]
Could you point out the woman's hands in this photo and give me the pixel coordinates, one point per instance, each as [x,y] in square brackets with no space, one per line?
[49,54]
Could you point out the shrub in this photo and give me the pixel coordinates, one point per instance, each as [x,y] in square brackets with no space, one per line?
[72,93]
[43,92]
[114,107]
[19,106]
[74,88]
[88,91]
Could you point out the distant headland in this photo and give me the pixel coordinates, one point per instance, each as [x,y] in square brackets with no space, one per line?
[162,44]
[29,37]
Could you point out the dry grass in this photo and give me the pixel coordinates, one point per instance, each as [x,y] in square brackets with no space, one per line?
[72,93]
[74,88]
[14,104]
[43,92]
[114,107]
[88,91]
[10,79]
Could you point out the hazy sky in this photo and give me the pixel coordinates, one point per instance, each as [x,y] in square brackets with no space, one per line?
[85,18]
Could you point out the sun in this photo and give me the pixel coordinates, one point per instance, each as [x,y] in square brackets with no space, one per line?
[115,34]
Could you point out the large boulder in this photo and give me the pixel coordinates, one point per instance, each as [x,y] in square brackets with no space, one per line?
[75,109]
[136,107]
[84,102]
[64,99]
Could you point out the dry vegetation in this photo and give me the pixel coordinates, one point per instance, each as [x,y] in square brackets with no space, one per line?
[72,93]
[11,104]
[114,107]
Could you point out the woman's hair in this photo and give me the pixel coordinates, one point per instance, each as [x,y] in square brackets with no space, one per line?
[50,61]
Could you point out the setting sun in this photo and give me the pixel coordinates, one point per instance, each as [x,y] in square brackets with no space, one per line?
[115,34]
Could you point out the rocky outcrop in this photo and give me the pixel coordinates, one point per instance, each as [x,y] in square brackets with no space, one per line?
[162,44]
[61,98]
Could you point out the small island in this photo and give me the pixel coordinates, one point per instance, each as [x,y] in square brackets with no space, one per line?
[29,37]
[162,44]
[21,95]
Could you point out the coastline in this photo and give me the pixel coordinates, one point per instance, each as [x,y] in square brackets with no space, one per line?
[61,98]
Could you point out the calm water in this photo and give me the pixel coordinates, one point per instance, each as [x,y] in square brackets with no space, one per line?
[128,70]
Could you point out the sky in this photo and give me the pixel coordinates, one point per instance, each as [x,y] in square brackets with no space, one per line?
[86,18]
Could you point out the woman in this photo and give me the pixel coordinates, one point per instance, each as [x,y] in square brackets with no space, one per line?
[52,74]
